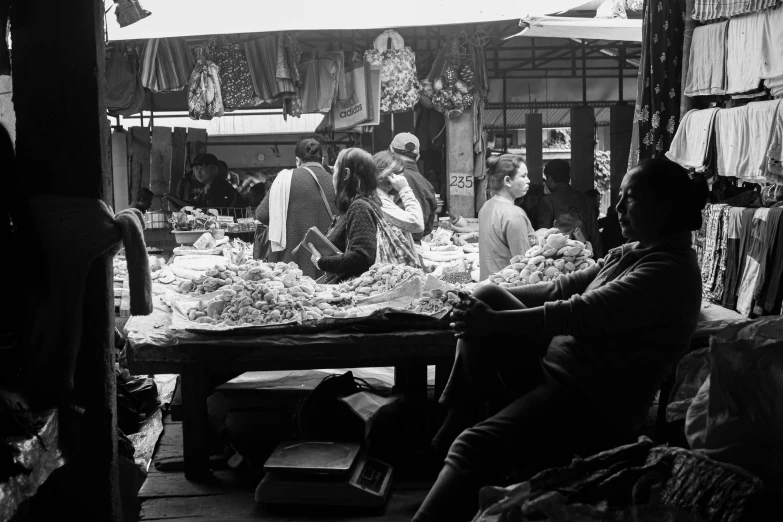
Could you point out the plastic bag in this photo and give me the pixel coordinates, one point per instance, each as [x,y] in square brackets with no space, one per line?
[735,418]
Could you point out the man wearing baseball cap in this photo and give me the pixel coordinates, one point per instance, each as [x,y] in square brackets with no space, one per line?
[407,145]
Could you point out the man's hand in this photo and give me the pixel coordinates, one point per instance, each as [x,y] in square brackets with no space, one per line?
[473,318]
[398,181]
[316,256]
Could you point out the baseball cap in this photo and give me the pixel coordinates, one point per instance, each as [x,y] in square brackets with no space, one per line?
[205,159]
[406,141]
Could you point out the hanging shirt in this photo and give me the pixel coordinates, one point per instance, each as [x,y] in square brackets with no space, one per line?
[504,232]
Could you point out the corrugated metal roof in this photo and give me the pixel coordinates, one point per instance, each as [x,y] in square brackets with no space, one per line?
[553,118]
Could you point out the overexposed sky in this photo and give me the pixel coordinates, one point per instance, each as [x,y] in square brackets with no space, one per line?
[203,17]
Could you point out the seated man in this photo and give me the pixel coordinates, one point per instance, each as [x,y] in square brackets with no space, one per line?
[217,193]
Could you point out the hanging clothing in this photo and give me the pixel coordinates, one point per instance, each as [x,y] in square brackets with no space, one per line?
[744,61]
[764,226]
[204,93]
[125,94]
[658,97]
[737,244]
[319,83]
[771,290]
[691,143]
[235,80]
[166,64]
[741,140]
[262,56]
[713,275]
[772,164]
[707,65]
[706,10]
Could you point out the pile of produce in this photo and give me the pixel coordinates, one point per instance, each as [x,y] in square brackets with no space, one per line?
[456,278]
[380,278]
[263,294]
[554,256]
[433,301]
[120,269]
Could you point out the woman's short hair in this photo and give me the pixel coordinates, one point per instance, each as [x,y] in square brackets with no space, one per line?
[387,162]
[498,167]
[668,181]
[360,180]
[309,149]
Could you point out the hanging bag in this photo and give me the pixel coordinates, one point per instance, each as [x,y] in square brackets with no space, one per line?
[355,109]
[399,85]
[393,247]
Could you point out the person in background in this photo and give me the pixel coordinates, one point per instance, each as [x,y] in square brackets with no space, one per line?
[407,145]
[389,167]
[355,232]
[595,198]
[529,203]
[563,197]
[297,201]
[253,190]
[611,231]
[217,193]
[143,200]
[572,366]
[504,229]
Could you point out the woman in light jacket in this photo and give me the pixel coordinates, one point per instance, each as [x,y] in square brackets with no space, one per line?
[409,219]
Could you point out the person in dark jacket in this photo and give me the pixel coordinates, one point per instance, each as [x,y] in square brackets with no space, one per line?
[355,231]
[407,146]
[143,200]
[565,198]
[306,206]
[571,367]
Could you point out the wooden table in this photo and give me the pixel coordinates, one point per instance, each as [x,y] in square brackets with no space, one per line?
[197,358]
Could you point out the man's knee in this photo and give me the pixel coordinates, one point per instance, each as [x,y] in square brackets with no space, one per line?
[494,296]
[473,450]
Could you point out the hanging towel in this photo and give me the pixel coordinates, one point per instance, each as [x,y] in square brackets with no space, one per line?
[772,165]
[706,10]
[75,232]
[744,62]
[707,66]
[690,145]
[742,138]
[278,209]
[166,64]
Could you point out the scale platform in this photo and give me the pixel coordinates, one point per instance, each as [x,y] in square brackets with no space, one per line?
[324,474]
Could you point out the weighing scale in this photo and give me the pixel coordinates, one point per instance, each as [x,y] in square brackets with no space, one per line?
[325,474]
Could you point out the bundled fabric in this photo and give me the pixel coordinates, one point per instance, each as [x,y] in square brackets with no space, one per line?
[399,85]
[732,419]
[204,94]
[262,60]
[772,163]
[166,64]
[74,233]
[741,140]
[236,84]
[707,65]
[637,482]
[713,263]
[691,144]
[125,94]
[706,10]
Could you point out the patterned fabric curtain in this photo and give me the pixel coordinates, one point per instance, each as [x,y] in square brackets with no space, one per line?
[658,96]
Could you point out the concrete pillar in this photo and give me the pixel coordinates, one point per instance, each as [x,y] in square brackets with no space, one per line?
[459,165]
[582,148]
[620,131]
[534,147]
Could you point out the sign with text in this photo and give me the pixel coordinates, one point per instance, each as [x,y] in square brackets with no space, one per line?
[461,184]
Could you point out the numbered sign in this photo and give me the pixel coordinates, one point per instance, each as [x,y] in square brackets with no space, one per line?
[461,184]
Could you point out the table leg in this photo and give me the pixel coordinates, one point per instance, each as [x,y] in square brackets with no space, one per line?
[194,423]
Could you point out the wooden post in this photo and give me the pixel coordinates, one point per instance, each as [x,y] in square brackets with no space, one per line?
[140,160]
[71,156]
[582,148]
[620,131]
[160,164]
[534,147]
[686,103]
[178,154]
[119,165]
[459,165]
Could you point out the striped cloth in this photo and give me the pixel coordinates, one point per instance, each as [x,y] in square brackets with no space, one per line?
[166,64]
[706,10]
[262,59]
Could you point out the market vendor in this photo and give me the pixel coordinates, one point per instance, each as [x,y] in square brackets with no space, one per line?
[217,192]
[571,367]
[504,228]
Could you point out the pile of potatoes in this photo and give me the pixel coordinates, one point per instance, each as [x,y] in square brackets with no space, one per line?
[380,278]
[262,294]
[120,269]
[555,255]
[432,301]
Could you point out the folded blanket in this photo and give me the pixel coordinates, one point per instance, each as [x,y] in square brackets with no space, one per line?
[742,138]
[690,145]
[707,69]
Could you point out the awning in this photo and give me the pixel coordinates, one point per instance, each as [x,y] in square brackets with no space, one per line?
[613,29]
[206,17]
